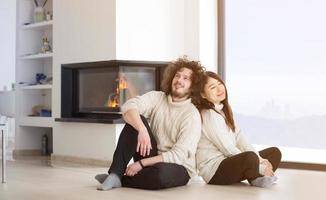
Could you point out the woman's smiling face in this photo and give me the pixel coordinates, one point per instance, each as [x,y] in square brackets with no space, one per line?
[214,91]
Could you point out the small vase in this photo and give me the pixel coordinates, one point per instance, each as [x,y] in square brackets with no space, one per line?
[39,14]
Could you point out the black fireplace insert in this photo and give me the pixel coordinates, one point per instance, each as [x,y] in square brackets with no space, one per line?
[95,91]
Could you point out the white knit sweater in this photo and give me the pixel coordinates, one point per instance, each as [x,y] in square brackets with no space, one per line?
[217,142]
[176,126]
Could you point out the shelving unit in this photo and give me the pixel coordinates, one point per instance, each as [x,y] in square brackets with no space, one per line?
[38,25]
[36,87]
[30,60]
[46,122]
[37,56]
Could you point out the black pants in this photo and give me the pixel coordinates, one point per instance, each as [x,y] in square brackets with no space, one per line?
[244,166]
[158,176]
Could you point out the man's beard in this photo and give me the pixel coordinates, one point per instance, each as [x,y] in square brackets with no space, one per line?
[178,95]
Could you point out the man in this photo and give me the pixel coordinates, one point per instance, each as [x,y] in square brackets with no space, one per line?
[164,152]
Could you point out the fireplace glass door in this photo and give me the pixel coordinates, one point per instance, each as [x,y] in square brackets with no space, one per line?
[105,90]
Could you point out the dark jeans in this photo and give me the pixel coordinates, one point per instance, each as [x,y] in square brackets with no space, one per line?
[158,176]
[244,166]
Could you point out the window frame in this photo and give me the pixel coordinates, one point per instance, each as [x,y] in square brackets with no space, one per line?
[222,68]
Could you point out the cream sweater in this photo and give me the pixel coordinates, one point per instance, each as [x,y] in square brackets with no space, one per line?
[217,142]
[176,126]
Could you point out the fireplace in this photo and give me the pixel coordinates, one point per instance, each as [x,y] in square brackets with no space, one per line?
[95,91]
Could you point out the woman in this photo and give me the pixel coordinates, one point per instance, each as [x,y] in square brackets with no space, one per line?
[223,155]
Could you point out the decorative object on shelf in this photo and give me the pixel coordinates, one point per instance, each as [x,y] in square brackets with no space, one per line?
[48,16]
[48,80]
[46,48]
[39,12]
[36,110]
[40,77]
[45,113]
[43,79]
[22,84]
[45,144]
[40,111]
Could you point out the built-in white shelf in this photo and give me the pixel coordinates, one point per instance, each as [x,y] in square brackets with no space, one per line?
[7,91]
[38,26]
[31,61]
[37,56]
[37,87]
[36,121]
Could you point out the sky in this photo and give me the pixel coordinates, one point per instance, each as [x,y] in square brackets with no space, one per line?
[275,56]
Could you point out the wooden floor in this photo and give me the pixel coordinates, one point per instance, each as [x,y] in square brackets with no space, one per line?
[40,179]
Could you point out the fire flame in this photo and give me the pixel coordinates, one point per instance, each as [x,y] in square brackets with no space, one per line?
[114,102]
[122,84]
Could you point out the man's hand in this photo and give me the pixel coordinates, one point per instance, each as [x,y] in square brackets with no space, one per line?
[133,118]
[133,169]
[144,145]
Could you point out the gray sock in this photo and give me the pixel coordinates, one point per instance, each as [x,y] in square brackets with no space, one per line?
[264,181]
[112,181]
[101,177]
[274,177]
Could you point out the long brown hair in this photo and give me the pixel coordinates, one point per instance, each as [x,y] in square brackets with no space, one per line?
[205,104]
[197,71]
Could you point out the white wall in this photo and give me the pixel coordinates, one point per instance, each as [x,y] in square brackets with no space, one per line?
[191,26]
[7,41]
[83,31]
[86,140]
[7,103]
[157,29]
[123,29]
[208,34]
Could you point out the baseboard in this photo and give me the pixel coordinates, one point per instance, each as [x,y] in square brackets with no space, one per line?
[304,166]
[26,152]
[105,163]
[80,160]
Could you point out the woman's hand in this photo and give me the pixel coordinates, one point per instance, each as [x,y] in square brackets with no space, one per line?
[133,169]
[269,167]
[267,163]
[144,145]
[268,172]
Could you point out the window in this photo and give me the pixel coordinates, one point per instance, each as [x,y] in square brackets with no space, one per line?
[276,74]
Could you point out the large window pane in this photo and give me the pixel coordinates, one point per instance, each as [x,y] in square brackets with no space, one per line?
[276,72]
